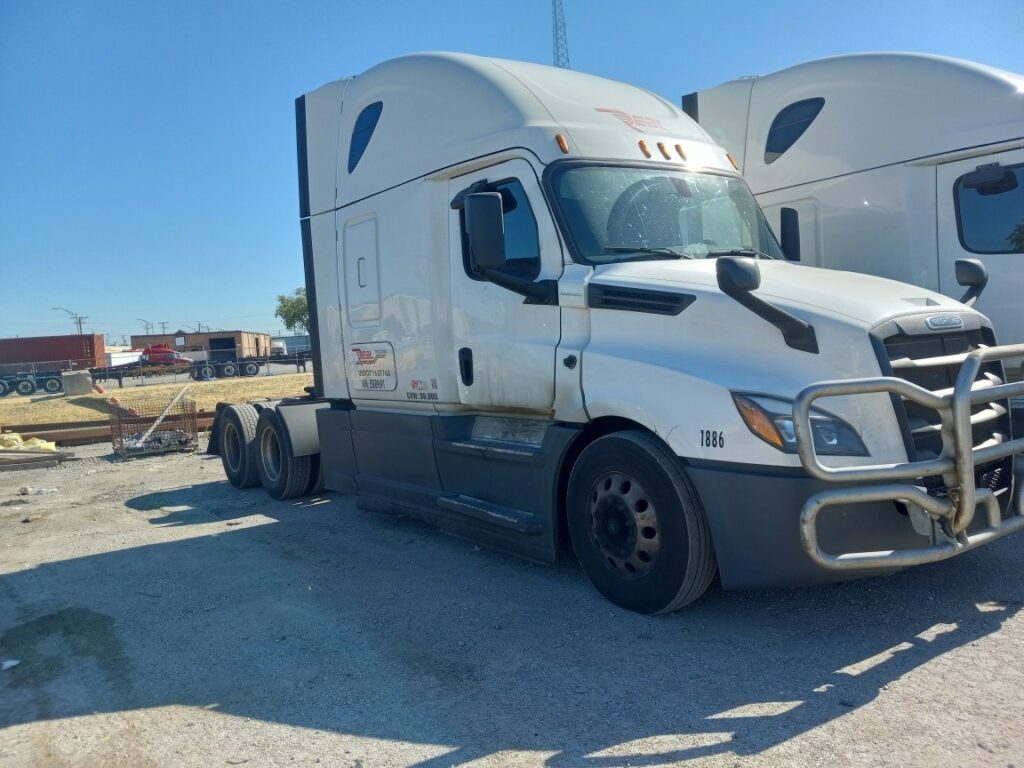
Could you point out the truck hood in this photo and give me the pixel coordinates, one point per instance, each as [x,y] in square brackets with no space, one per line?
[865,299]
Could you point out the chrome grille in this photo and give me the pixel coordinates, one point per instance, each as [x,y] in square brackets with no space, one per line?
[990,422]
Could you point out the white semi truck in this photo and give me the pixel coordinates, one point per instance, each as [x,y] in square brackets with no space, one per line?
[893,164]
[546,311]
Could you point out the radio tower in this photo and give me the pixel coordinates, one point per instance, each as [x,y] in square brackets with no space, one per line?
[559,43]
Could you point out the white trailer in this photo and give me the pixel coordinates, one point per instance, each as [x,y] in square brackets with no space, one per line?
[546,311]
[893,164]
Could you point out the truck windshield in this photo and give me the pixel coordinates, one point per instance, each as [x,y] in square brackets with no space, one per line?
[625,213]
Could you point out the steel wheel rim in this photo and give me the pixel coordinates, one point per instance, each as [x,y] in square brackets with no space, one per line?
[232,447]
[624,525]
[270,452]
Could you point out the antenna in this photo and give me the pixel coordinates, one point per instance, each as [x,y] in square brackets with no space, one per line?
[76,318]
[559,43]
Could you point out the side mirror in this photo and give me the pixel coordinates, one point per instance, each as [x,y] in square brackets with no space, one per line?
[485,230]
[973,275]
[991,179]
[737,274]
[790,233]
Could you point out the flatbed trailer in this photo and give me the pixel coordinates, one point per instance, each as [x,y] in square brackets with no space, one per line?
[30,382]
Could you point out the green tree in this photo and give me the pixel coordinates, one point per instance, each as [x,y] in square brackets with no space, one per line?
[1017,238]
[294,311]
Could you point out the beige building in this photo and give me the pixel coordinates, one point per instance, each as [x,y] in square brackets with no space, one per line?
[240,343]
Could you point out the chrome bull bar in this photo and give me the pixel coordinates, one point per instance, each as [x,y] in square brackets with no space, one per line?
[956,464]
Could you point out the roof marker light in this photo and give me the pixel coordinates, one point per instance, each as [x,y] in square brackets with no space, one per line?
[732,160]
[643,148]
[562,143]
[679,151]
[664,152]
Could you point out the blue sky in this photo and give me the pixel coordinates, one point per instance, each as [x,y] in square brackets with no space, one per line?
[147,149]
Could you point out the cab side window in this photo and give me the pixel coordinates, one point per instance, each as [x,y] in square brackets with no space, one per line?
[990,209]
[522,245]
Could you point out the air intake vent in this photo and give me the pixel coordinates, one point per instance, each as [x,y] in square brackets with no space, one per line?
[637,299]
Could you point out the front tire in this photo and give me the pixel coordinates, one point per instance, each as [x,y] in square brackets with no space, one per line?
[282,475]
[637,526]
[238,445]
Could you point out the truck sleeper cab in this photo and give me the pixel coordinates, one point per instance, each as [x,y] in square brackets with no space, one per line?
[547,312]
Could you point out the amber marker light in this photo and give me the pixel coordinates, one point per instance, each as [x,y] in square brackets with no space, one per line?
[643,148]
[679,151]
[757,422]
[664,151]
[732,160]
[562,143]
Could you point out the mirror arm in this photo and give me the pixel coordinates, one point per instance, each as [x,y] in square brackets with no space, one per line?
[797,333]
[972,295]
[536,292]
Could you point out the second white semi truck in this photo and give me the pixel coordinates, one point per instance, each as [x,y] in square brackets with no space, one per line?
[547,312]
[893,164]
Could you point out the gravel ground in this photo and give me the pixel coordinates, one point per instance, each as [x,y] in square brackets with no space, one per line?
[162,618]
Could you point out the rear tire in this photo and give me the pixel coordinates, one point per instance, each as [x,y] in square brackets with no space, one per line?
[52,386]
[238,445]
[5,388]
[637,526]
[229,370]
[205,372]
[25,387]
[282,475]
[250,369]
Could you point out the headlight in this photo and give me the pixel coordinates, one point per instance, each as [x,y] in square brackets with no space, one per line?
[771,419]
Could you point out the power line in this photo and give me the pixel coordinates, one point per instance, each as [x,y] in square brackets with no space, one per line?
[559,42]
[76,318]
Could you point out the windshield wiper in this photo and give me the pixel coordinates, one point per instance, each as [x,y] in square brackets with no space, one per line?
[662,251]
[738,252]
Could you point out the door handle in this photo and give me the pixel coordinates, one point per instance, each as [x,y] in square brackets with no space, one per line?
[466,366]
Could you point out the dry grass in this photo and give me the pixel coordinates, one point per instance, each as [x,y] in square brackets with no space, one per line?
[47,409]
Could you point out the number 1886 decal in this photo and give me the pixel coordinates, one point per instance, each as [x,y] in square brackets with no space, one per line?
[712,438]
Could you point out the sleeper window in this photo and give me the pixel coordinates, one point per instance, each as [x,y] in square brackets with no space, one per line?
[361,133]
[789,125]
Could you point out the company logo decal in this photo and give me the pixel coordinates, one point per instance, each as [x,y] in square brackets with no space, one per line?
[636,122]
[368,356]
[944,322]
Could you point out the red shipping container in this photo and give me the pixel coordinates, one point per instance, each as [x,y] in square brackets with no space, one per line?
[61,352]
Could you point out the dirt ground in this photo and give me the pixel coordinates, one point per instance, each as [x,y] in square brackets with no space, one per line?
[46,409]
[160,617]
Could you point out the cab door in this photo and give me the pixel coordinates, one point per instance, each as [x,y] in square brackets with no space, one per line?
[504,348]
[981,216]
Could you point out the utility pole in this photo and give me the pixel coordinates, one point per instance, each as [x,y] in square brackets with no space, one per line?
[559,43]
[146,324]
[163,327]
[76,318]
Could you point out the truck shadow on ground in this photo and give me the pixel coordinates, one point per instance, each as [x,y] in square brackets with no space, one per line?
[322,616]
